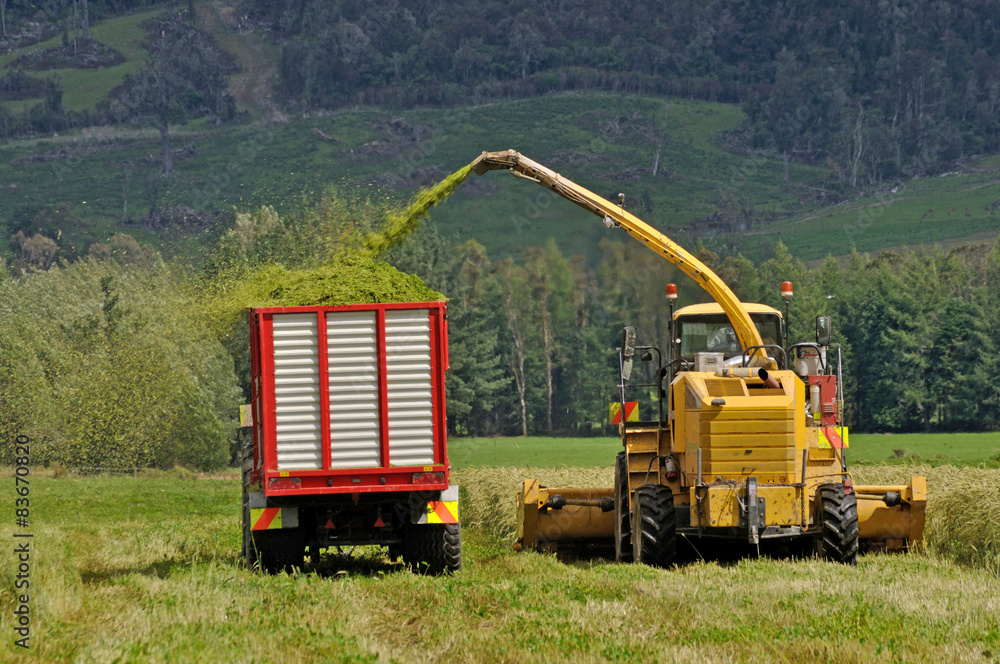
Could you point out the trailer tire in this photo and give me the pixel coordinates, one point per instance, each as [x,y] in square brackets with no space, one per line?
[838,537]
[249,549]
[623,517]
[654,526]
[433,548]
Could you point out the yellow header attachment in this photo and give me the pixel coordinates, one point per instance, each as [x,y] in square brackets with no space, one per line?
[616,215]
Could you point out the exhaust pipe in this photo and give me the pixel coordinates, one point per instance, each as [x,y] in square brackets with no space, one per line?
[749,372]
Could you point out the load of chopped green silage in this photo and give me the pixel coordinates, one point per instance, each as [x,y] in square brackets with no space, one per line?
[351,280]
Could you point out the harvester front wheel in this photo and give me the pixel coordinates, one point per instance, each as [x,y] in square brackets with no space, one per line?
[838,537]
[433,548]
[654,528]
[623,518]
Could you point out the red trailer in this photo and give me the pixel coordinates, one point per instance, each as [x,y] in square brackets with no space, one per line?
[349,438]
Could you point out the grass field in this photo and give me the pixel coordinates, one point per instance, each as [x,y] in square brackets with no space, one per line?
[541,452]
[146,569]
[83,88]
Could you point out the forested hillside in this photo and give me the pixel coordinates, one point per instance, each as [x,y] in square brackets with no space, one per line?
[875,90]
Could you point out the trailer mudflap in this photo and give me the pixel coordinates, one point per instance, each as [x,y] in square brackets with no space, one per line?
[443,509]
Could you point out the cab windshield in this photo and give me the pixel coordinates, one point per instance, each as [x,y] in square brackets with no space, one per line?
[712,333]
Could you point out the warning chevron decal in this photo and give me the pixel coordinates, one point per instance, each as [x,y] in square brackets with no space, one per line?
[265,518]
[631,412]
[833,437]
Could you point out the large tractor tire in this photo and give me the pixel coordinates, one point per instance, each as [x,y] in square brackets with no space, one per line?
[838,537]
[654,526]
[433,548]
[623,517]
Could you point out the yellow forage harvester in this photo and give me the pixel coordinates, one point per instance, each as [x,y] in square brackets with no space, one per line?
[747,442]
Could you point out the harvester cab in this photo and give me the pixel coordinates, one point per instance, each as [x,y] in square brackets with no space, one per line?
[747,443]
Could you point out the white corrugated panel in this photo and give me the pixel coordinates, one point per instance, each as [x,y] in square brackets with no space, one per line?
[409,387]
[296,392]
[353,367]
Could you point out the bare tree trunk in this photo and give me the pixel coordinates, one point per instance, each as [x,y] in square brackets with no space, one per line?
[547,348]
[127,175]
[516,363]
[656,161]
[76,23]
[858,149]
[784,156]
[515,358]
[86,22]
[3,17]
[168,162]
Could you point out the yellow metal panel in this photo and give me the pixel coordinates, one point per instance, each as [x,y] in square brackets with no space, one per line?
[717,426]
[748,411]
[751,467]
[749,440]
[714,308]
[782,505]
[821,454]
[757,454]
[725,387]
[641,441]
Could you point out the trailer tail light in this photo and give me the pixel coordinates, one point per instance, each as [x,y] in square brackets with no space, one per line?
[284,483]
[428,478]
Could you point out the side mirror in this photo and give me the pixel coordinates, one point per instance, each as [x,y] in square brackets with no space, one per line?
[824,330]
[628,351]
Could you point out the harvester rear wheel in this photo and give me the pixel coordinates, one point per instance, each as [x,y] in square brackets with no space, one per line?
[654,528]
[433,548]
[623,518]
[838,538]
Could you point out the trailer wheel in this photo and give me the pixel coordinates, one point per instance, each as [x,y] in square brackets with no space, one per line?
[623,518]
[654,528]
[838,537]
[433,548]
[249,550]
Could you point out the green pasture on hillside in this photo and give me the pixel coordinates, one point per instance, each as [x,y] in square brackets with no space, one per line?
[83,88]
[239,167]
